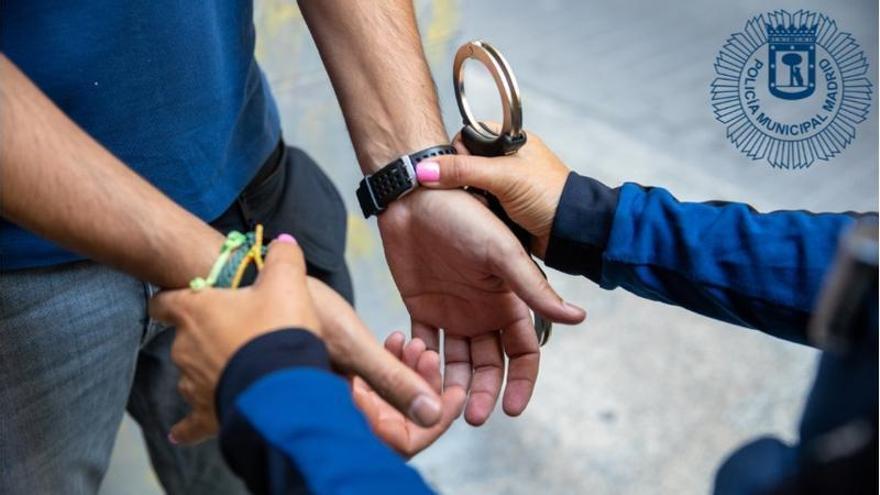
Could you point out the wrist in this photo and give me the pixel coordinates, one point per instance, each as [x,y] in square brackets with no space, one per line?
[372,157]
[376,192]
[264,354]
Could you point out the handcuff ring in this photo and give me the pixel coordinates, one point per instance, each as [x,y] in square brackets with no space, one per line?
[481,140]
[511,136]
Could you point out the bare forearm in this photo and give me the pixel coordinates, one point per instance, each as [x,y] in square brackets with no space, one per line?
[374,56]
[58,182]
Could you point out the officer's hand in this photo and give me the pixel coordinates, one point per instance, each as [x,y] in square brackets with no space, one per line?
[528,183]
[211,325]
[402,434]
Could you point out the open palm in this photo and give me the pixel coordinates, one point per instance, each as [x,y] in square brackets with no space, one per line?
[459,269]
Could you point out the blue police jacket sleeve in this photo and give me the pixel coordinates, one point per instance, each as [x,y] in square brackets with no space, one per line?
[722,260]
[289,425]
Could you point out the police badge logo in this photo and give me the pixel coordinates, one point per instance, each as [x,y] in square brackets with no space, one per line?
[791,88]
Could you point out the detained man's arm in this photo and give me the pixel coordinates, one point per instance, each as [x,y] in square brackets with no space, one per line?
[56,181]
[457,266]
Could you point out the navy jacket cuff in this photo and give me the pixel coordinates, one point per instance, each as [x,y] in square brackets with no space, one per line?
[581,227]
[265,354]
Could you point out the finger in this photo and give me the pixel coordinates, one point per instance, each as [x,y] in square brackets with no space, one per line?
[412,351]
[364,398]
[458,372]
[428,367]
[526,280]
[452,171]
[186,388]
[394,344]
[453,402]
[429,335]
[523,353]
[488,362]
[400,386]
[166,306]
[285,267]
[194,428]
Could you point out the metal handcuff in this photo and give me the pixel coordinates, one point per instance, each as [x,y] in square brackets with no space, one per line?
[480,140]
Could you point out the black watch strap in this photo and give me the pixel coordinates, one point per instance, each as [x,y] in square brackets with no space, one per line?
[394,180]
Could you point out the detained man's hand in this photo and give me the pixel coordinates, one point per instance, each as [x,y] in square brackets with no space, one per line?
[211,325]
[459,269]
[402,434]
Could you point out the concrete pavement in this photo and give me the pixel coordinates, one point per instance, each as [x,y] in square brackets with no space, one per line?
[643,397]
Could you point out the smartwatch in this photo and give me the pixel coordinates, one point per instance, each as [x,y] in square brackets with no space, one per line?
[395,180]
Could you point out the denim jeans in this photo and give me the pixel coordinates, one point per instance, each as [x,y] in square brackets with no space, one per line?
[77,349]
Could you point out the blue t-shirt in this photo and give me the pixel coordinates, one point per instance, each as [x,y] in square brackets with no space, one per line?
[171,88]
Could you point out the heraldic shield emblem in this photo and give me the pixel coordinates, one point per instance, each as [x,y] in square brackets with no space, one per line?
[791,88]
[792,57]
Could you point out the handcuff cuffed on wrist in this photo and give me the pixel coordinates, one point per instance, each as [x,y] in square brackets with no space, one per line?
[395,180]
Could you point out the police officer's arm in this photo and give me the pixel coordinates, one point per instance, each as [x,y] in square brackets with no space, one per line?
[723,260]
[256,358]
[58,182]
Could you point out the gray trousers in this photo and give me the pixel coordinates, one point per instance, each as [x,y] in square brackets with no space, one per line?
[77,349]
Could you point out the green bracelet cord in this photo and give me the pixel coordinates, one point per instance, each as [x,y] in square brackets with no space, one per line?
[236,254]
[234,240]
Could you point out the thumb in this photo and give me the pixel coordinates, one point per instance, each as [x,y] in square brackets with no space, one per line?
[448,172]
[354,349]
[284,266]
[527,281]
[400,386]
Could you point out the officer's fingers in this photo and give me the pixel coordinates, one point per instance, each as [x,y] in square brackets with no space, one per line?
[168,306]
[194,428]
[399,385]
[495,175]
[284,268]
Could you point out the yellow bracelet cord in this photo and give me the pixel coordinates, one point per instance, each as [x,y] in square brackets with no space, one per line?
[255,253]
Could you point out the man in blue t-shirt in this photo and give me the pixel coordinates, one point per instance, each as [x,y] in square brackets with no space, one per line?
[171,91]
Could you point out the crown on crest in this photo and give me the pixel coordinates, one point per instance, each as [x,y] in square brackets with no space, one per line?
[791,34]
